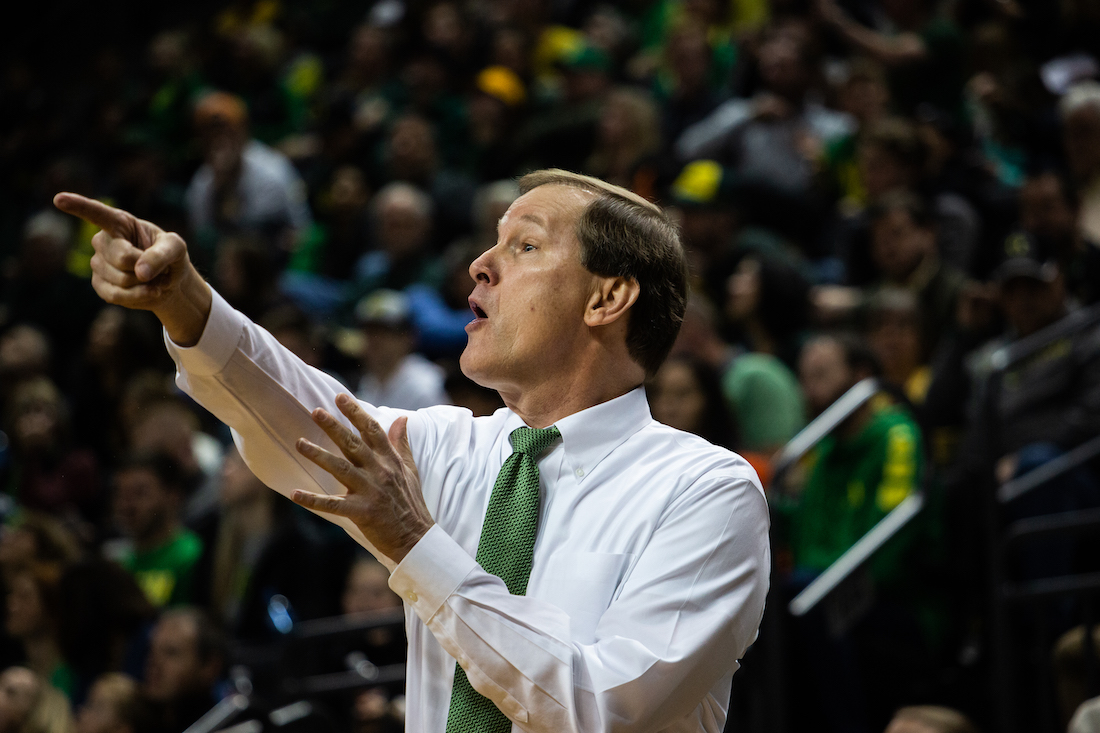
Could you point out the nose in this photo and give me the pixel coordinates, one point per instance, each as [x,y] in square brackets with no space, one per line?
[483,269]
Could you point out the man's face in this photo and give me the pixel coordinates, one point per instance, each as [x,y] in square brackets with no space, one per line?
[173,668]
[1044,210]
[824,374]
[898,245]
[142,504]
[531,292]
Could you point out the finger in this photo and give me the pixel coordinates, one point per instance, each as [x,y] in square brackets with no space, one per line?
[372,433]
[348,441]
[320,502]
[108,218]
[116,252]
[342,468]
[167,249]
[138,296]
[113,275]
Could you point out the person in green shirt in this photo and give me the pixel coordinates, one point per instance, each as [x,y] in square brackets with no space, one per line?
[149,495]
[861,471]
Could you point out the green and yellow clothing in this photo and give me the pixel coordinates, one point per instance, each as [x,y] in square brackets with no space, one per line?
[853,483]
[166,573]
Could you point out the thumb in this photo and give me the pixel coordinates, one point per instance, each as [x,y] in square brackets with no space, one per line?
[167,249]
[399,438]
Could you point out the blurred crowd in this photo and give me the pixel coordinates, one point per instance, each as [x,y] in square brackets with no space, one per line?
[896,189]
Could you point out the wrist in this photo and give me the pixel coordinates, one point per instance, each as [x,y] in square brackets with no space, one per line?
[185,312]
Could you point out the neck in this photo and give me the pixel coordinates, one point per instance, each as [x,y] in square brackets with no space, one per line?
[548,401]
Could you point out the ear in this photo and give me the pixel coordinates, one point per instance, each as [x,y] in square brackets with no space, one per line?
[611,299]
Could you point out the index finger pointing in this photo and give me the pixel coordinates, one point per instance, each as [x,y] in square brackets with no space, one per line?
[108,218]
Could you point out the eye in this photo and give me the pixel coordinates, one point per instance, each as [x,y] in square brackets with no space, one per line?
[529,248]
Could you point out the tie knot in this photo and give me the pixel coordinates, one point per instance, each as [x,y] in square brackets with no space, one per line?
[533,441]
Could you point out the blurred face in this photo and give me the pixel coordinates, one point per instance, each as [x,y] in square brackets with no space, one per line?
[898,245]
[780,66]
[1082,141]
[403,227]
[1030,304]
[173,668]
[18,690]
[26,615]
[531,292]
[864,99]
[896,340]
[824,374]
[678,399]
[368,589]
[1044,210]
[881,171]
[743,288]
[143,507]
[100,712]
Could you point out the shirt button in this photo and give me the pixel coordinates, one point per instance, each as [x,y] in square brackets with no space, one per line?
[579,472]
[411,595]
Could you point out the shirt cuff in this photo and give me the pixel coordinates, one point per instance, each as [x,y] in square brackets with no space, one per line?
[430,572]
[216,345]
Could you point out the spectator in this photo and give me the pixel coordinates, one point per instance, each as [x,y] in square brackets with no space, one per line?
[186,657]
[38,289]
[33,617]
[895,333]
[47,472]
[686,394]
[24,353]
[904,253]
[869,465]
[924,53]
[403,218]
[104,621]
[772,140]
[255,549]
[31,537]
[160,552]
[113,706]
[393,374]
[243,186]
[30,705]
[628,136]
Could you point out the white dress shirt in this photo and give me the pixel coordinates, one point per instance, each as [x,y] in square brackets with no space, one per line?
[416,383]
[650,567]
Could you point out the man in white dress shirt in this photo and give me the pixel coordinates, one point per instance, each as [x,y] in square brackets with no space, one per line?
[650,565]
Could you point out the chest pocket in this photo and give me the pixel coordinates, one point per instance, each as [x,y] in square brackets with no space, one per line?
[582,584]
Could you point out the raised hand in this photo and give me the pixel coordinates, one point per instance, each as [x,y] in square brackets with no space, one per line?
[139,265]
[383,494]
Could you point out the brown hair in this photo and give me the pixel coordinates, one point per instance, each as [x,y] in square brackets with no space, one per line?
[623,235]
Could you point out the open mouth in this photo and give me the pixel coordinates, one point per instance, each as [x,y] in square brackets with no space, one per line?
[478,312]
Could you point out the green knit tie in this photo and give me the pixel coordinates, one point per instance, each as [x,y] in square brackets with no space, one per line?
[505,549]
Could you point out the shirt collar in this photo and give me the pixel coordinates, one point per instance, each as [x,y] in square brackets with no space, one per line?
[590,435]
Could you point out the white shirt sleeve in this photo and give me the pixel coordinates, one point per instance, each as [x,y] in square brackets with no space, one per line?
[687,610]
[243,375]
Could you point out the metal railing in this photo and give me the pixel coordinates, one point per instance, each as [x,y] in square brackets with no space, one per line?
[1006,647]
